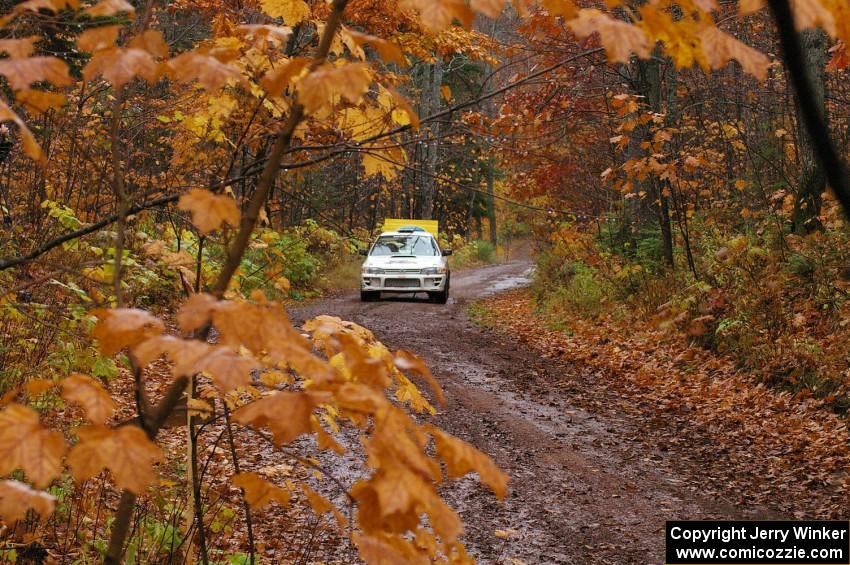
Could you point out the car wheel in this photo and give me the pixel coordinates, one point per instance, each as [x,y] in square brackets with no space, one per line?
[440,297]
[369,295]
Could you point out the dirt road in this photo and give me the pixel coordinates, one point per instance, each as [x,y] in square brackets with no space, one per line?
[586,487]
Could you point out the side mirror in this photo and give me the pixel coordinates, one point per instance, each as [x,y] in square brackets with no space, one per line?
[447,252]
[363,252]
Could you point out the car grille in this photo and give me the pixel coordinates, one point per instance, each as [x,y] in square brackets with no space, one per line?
[402,283]
[402,271]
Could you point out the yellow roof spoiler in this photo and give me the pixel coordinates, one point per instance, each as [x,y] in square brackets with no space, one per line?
[394,224]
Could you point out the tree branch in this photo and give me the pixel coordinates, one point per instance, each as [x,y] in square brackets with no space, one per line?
[825,151]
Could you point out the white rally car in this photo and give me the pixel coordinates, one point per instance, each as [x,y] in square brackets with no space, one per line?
[406,260]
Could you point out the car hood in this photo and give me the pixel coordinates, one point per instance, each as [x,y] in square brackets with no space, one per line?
[389,262]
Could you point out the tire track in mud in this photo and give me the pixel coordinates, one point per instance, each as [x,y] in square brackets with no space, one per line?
[584,486]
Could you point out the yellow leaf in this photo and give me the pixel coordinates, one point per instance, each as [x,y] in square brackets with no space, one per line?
[209,211]
[260,492]
[619,38]
[199,408]
[16,498]
[26,445]
[126,452]
[292,12]
[89,394]
[124,327]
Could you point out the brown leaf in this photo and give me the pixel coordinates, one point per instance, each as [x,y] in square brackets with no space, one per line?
[286,414]
[407,361]
[26,445]
[260,492]
[209,211]
[461,458]
[196,312]
[91,395]
[126,452]
[16,498]
[124,327]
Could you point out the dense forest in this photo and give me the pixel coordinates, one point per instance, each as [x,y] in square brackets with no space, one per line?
[175,176]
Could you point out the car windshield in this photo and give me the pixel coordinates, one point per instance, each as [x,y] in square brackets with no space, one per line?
[405,246]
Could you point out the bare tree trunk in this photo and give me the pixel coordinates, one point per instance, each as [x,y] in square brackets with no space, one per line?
[812,180]
[431,100]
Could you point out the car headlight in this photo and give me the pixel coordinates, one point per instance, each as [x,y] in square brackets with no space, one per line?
[372,271]
[433,271]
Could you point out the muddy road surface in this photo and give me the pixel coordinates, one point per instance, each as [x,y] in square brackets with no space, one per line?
[586,487]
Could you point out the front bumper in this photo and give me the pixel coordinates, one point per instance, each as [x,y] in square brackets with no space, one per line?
[392,282]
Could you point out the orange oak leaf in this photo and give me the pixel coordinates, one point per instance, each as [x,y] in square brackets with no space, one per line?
[38,101]
[196,311]
[209,211]
[565,8]
[26,445]
[18,48]
[228,369]
[37,387]
[461,458]
[388,51]
[152,41]
[321,86]
[382,549]
[260,492]
[437,15]
[21,73]
[199,66]
[293,12]
[97,38]
[110,8]
[124,327]
[120,65]
[16,498]
[407,361]
[91,395]
[720,47]
[286,414]
[619,38]
[126,452]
